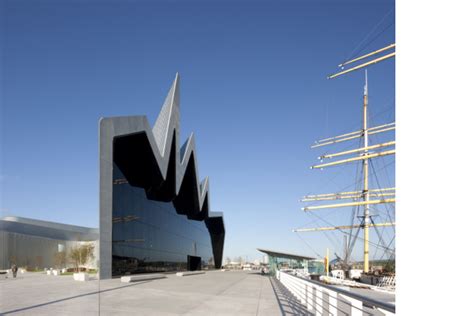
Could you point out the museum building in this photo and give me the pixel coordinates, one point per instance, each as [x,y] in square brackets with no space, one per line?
[154,213]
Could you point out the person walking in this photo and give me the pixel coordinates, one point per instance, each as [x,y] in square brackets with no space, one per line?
[14,270]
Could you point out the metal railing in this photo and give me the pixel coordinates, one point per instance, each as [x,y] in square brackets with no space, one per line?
[323,299]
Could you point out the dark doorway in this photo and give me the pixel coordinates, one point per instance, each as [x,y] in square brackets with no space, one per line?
[194,263]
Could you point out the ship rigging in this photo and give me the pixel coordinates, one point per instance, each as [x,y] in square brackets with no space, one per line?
[365,197]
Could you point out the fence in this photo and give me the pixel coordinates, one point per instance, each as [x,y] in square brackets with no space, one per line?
[325,300]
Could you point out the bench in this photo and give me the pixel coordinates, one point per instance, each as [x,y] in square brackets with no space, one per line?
[186,273]
[141,277]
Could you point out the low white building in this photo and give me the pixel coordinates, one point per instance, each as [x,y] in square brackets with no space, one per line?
[33,244]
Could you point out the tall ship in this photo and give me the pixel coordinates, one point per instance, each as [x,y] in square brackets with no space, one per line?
[369,203]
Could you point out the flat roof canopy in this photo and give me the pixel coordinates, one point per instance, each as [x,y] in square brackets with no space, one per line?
[46,229]
[284,255]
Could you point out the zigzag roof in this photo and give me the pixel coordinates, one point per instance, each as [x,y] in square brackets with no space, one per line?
[149,158]
[161,138]
[166,127]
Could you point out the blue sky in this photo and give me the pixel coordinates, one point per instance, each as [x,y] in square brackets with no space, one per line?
[253,90]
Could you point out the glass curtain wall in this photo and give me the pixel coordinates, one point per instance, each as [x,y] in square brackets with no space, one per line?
[150,236]
[279,263]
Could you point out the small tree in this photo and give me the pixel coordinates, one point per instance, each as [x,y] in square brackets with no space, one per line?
[60,259]
[389,266]
[39,262]
[12,260]
[80,255]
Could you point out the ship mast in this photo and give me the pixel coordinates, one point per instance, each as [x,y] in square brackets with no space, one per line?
[366,178]
[383,195]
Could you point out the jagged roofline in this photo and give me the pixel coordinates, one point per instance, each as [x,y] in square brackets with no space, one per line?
[160,138]
[167,125]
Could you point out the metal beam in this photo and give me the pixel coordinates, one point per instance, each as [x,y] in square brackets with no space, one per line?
[383,153]
[337,141]
[317,229]
[387,144]
[362,65]
[319,207]
[382,130]
[367,55]
[342,197]
[335,197]
[381,126]
[339,136]
[348,192]
[353,135]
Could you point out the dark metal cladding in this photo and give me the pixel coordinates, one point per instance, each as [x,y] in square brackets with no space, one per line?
[153,210]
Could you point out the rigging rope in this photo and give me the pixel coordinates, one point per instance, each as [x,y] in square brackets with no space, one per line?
[369,34]
[342,231]
[307,244]
[376,36]
[381,240]
[355,209]
[326,234]
[357,185]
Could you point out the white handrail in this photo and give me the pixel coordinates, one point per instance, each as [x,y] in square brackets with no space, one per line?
[327,300]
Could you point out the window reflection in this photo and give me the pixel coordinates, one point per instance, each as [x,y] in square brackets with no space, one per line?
[149,236]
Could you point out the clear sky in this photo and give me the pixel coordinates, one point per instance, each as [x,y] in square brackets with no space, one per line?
[253,89]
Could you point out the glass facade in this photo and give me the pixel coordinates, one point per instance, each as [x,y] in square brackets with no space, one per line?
[315,267]
[281,263]
[150,236]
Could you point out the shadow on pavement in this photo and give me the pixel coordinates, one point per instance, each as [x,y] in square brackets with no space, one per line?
[259,273]
[70,298]
[288,303]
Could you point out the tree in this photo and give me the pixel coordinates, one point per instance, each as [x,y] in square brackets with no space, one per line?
[389,266]
[80,255]
[12,260]
[60,259]
[39,262]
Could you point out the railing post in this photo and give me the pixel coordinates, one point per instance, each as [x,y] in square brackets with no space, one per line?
[319,301]
[299,290]
[356,307]
[304,293]
[310,297]
[332,301]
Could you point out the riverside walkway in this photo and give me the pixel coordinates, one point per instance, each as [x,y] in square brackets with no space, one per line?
[212,293]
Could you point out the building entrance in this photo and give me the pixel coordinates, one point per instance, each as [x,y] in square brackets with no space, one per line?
[194,263]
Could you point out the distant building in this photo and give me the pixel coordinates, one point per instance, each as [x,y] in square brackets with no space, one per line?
[282,260]
[155,215]
[33,243]
[234,265]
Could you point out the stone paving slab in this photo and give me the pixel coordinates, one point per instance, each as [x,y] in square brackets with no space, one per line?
[213,293]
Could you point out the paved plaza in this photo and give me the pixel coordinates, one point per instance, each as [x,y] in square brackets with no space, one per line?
[212,293]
